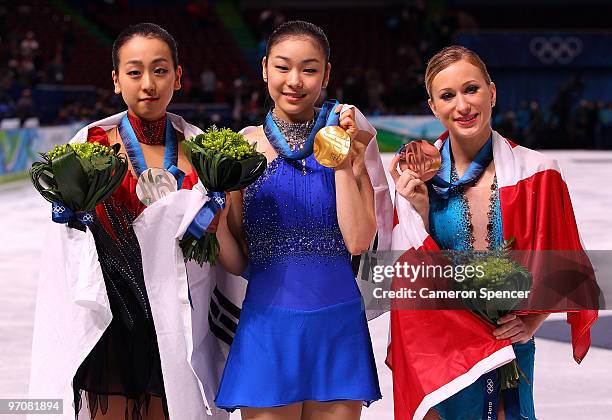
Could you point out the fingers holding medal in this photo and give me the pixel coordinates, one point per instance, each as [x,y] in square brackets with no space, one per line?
[418,162]
[332,144]
[347,121]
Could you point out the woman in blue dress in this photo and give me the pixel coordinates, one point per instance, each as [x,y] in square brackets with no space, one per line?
[302,348]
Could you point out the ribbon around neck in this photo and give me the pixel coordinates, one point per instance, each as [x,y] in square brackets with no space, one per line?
[134,151]
[326,117]
[441,181]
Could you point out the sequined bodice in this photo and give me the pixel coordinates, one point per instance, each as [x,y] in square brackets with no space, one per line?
[449,221]
[287,212]
[297,256]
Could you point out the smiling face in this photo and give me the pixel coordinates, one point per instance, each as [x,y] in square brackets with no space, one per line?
[296,71]
[462,99]
[146,77]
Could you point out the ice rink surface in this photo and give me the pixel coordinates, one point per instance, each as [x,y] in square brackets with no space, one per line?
[563,389]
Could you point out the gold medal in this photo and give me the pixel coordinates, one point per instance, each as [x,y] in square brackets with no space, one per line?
[332,145]
[423,158]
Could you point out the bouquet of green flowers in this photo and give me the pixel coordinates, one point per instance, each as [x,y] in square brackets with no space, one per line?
[225,162]
[500,274]
[76,177]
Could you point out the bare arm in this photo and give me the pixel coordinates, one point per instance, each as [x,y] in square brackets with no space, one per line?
[232,246]
[233,252]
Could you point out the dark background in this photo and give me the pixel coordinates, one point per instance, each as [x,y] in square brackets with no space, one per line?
[551,60]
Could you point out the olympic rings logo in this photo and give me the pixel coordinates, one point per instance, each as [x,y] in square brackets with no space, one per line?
[556,49]
[220,201]
[490,386]
[88,217]
[58,209]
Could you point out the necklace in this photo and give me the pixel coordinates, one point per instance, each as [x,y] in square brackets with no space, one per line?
[148,132]
[467,214]
[295,133]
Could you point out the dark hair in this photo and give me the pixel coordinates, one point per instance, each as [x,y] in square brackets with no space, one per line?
[299,28]
[147,30]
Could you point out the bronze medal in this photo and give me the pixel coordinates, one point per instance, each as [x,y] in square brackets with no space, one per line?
[423,158]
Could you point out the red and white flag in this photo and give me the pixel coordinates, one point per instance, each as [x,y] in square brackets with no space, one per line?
[435,354]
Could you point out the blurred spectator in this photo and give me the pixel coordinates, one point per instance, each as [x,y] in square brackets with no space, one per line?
[25,106]
[7,105]
[199,10]
[508,126]
[605,121]
[523,115]
[535,133]
[55,71]
[208,81]
[29,45]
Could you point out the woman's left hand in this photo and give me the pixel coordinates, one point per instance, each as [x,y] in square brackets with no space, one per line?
[514,328]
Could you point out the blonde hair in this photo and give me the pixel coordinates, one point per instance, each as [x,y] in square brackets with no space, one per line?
[448,56]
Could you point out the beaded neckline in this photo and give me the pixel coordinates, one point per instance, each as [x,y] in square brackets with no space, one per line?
[149,132]
[295,133]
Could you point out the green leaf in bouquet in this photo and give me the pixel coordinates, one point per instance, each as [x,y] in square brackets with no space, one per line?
[251,169]
[110,179]
[230,171]
[190,149]
[71,179]
[42,179]
[98,180]
[87,166]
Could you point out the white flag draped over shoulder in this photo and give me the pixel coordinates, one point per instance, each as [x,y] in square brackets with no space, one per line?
[435,354]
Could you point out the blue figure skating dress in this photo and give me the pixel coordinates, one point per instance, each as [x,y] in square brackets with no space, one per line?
[303,333]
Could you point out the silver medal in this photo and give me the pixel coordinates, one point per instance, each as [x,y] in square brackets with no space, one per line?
[153,184]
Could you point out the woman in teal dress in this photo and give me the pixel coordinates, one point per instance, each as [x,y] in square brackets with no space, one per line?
[463,213]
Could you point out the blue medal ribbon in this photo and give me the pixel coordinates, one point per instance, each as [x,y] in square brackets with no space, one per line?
[441,180]
[326,117]
[134,151]
[491,393]
[61,213]
[178,174]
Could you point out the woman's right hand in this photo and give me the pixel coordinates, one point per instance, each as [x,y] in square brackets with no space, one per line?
[409,186]
[221,214]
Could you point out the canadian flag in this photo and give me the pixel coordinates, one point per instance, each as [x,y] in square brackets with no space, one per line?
[436,353]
